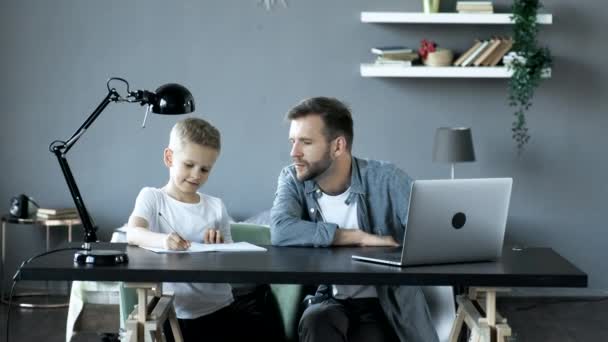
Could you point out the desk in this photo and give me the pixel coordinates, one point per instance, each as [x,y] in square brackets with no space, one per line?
[69,223]
[530,267]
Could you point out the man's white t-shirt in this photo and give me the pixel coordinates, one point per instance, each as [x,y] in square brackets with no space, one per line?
[190,220]
[335,210]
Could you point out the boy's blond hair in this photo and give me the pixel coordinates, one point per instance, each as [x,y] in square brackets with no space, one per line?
[194,130]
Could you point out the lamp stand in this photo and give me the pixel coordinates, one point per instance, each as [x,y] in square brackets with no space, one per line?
[60,149]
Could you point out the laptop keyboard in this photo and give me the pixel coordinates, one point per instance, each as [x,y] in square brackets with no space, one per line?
[392,256]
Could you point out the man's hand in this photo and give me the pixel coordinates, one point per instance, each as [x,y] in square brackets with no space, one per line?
[356,237]
[213,235]
[176,243]
[377,240]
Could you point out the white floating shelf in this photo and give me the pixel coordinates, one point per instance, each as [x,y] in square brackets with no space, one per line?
[445,18]
[374,70]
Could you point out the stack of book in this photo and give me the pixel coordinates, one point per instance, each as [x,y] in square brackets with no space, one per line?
[474,7]
[395,55]
[56,214]
[485,52]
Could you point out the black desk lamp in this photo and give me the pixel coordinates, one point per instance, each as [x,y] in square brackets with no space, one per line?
[168,99]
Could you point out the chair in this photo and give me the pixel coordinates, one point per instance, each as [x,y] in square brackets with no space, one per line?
[440,300]
[288,297]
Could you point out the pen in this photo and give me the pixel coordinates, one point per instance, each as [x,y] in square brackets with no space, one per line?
[171,227]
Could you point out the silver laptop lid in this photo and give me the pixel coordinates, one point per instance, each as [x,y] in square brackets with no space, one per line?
[456,220]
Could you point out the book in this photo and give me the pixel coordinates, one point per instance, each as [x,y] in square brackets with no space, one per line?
[503,48]
[483,56]
[197,247]
[475,53]
[406,56]
[475,8]
[66,216]
[474,3]
[386,61]
[385,50]
[492,55]
[475,12]
[467,53]
[51,211]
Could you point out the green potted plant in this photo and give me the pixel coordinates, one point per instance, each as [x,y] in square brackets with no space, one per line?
[527,66]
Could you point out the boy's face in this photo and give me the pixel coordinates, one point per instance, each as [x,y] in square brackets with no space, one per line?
[190,166]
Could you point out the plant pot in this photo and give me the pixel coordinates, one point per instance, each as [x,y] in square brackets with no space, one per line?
[430,6]
[441,57]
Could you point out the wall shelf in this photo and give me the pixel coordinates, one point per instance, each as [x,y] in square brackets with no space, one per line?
[444,18]
[374,70]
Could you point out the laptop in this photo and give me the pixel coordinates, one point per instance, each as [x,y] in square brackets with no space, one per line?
[451,221]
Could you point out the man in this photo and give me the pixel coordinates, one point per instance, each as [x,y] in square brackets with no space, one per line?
[327,197]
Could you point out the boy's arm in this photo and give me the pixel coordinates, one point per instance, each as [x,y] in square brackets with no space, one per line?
[221,232]
[224,224]
[140,235]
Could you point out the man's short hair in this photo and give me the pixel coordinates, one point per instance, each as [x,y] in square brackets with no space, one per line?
[335,115]
[194,130]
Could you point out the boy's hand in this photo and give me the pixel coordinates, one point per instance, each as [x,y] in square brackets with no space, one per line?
[213,235]
[176,243]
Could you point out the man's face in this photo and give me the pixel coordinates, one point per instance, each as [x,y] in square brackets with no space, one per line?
[310,150]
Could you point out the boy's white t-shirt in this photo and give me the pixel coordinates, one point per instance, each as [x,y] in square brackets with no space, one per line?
[190,220]
[335,210]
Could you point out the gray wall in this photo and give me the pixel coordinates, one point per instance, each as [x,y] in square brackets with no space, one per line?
[247,66]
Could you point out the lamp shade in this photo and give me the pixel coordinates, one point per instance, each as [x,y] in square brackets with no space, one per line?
[172,99]
[453,145]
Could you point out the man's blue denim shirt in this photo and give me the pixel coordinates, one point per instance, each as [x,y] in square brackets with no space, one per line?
[382,192]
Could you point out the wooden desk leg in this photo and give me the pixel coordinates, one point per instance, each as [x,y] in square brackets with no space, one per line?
[149,326]
[177,333]
[457,325]
[491,327]
[142,305]
[503,331]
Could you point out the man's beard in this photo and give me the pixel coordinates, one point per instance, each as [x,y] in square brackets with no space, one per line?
[316,169]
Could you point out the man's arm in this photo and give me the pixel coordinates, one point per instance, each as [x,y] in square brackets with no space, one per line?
[289,229]
[287,226]
[356,237]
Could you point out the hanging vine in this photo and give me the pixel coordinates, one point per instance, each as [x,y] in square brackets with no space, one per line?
[527,67]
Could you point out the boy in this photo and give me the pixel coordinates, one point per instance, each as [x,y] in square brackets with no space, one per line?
[176,214]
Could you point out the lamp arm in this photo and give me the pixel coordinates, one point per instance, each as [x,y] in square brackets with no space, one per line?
[61,148]
[90,229]
[112,96]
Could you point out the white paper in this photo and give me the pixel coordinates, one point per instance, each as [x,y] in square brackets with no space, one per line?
[196,247]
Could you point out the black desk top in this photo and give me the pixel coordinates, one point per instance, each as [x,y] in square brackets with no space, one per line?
[531,267]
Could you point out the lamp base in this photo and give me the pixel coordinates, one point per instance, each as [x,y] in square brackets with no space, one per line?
[105,257]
